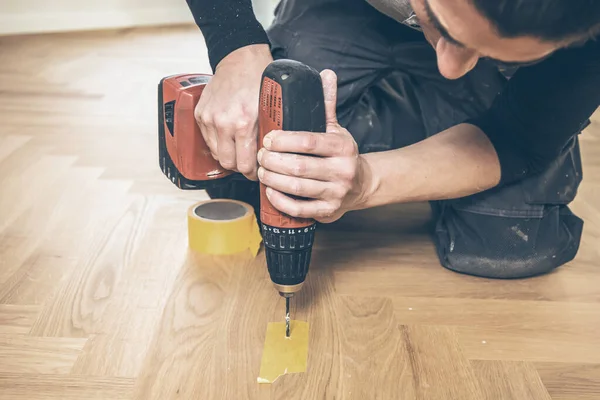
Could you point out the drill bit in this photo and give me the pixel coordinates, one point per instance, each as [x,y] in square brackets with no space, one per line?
[287,317]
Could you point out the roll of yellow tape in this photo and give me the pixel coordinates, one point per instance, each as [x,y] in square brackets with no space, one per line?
[222,226]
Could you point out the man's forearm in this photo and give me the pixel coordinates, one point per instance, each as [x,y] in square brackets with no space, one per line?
[455,163]
[227,25]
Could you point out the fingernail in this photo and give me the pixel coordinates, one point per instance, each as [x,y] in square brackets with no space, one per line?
[267,141]
[268,191]
[260,154]
[261,173]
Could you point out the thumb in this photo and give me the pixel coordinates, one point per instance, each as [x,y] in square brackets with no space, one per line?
[329,79]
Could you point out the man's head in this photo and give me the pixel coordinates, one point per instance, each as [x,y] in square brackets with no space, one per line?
[508,31]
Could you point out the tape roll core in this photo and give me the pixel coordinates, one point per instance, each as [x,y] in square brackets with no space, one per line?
[223,226]
[220,211]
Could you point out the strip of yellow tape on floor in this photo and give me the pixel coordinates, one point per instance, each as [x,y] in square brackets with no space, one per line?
[282,355]
[222,227]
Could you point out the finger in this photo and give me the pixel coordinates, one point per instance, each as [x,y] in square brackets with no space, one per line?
[211,141]
[226,148]
[317,209]
[300,187]
[207,135]
[246,147]
[296,165]
[329,80]
[318,144]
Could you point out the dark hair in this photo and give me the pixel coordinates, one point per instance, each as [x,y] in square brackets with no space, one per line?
[551,20]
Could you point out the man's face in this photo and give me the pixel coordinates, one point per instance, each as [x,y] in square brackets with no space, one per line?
[461,35]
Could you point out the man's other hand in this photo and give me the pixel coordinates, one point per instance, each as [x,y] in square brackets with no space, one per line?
[332,182]
[227,112]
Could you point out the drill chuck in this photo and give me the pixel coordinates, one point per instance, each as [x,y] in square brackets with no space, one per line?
[288,252]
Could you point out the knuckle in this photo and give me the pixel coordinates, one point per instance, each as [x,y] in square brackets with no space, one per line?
[212,146]
[245,168]
[328,210]
[335,205]
[347,173]
[310,143]
[296,188]
[227,162]
[297,211]
[340,191]
[299,168]
[221,120]
[198,110]
[203,116]
[346,147]
[293,211]
[242,125]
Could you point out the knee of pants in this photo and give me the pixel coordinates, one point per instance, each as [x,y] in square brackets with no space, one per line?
[505,248]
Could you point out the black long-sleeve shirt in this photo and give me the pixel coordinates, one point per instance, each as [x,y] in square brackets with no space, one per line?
[530,121]
[227,25]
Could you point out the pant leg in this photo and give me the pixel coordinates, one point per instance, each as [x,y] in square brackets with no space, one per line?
[350,37]
[520,230]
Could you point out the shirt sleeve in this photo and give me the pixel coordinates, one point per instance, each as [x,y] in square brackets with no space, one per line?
[541,108]
[226,25]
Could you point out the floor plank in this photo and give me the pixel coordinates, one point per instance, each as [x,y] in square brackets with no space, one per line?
[15,386]
[566,381]
[509,380]
[439,366]
[370,342]
[482,343]
[17,319]
[38,355]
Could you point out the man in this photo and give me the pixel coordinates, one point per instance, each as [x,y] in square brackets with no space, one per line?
[473,105]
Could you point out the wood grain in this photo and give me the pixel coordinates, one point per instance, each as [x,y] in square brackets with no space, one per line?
[15,386]
[509,380]
[371,343]
[138,297]
[509,344]
[10,143]
[36,280]
[38,355]
[183,345]
[17,319]
[436,359]
[100,297]
[566,381]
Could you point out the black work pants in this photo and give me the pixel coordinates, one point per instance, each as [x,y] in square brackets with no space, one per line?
[391,94]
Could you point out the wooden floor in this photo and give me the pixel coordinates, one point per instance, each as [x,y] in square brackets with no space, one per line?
[100,298]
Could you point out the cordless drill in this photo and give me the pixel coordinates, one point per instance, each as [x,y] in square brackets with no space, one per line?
[291,98]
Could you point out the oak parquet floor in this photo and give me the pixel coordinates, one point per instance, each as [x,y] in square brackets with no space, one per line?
[101,299]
